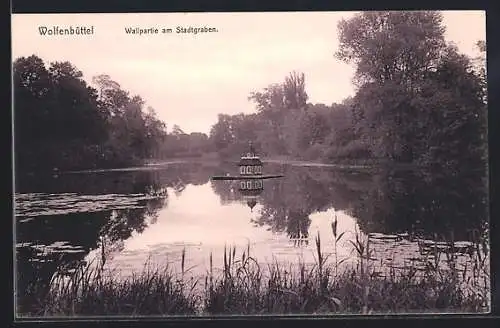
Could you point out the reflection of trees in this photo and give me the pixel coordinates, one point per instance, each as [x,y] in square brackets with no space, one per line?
[34,271]
[36,266]
[179,176]
[106,229]
[119,182]
[382,200]
[288,202]
[387,194]
[421,201]
[87,231]
[298,226]
[227,191]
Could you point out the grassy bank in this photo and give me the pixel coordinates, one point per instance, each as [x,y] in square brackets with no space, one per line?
[246,287]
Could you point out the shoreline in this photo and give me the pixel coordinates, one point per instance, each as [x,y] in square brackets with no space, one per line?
[245,286]
[211,160]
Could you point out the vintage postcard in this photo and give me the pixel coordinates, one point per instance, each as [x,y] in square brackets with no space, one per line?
[264,163]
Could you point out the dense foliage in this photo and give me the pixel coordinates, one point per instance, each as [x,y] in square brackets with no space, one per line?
[418,101]
[63,123]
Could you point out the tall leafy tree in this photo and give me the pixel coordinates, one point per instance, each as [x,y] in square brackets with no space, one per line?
[397,46]
[274,104]
[62,122]
[221,132]
[417,97]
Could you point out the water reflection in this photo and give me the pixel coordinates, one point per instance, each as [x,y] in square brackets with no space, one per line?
[158,212]
[429,204]
[251,190]
[298,222]
[56,230]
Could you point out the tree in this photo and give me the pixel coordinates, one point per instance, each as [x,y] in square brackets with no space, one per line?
[177,131]
[104,82]
[274,104]
[220,133]
[294,91]
[155,132]
[61,122]
[480,67]
[417,97]
[64,70]
[112,98]
[456,124]
[392,46]
[74,106]
[32,86]
[31,75]
[296,131]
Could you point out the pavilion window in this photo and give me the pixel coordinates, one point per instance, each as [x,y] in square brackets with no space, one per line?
[242,170]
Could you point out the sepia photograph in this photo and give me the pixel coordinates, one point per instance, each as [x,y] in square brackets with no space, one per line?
[251,163]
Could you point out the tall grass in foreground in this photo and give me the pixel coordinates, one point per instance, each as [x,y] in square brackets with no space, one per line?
[247,287]
[324,289]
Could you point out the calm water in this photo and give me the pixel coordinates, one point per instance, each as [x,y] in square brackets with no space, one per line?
[152,214]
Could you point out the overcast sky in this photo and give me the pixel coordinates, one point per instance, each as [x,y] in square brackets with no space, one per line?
[188,78]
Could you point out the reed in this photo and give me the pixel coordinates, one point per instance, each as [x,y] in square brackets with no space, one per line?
[247,286]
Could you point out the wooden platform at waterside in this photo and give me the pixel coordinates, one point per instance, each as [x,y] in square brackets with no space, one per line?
[247,177]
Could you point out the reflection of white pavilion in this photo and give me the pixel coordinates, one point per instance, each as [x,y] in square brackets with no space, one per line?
[251,189]
[250,164]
